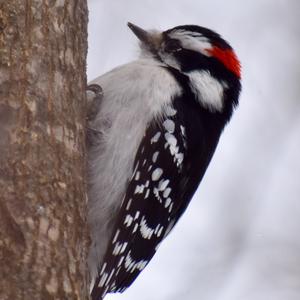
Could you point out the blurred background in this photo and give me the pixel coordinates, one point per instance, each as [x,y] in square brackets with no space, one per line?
[240,237]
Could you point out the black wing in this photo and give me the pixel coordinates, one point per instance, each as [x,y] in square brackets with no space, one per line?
[169,165]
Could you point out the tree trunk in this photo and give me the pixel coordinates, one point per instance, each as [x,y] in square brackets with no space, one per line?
[43,232]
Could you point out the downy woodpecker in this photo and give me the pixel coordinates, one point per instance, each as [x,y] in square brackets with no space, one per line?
[150,143]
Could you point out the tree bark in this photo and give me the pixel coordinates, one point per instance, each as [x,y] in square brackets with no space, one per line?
[43,231]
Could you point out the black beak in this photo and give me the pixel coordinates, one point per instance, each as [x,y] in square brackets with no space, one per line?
[141,34]
[147,38]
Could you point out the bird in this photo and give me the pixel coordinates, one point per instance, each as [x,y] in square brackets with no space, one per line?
[150,140]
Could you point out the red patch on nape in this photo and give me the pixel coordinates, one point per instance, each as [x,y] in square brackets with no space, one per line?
[228,58]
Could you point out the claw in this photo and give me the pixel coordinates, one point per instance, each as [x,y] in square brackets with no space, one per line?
[94,101]
[96,88]
[93,107]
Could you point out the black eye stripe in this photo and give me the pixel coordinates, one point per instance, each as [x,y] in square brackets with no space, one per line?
[172,45]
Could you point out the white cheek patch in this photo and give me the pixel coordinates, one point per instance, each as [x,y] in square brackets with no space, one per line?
[209,91]
[193,41]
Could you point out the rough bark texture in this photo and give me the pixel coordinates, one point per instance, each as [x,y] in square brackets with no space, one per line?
[43,236]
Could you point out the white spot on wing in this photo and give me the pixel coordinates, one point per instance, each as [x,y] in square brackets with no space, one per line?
[137,214]
[92,284]
[139,189]
[174,149]
[155,138]
[136,225]
[171,139]
[103,268]
[128,204]
[128,220]
[167,192]
[155,156]
[160,231]
[116,236]
[168,202]
[156,229]
[124,247]
[156,194]
[170,111]
[137,175]
[156,174]
[169,125]
[120,261]
[131,265]
[119,248]
[182,128]
[147,193]
[183,133]
[163,184]
[103,279]
[135,169]
[145,230]
[179,158]
[110,276]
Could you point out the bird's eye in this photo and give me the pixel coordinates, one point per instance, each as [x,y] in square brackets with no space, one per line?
[172,46]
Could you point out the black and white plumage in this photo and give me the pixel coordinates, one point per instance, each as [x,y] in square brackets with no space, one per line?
[152,139]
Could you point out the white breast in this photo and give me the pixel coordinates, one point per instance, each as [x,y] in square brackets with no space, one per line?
[133,95]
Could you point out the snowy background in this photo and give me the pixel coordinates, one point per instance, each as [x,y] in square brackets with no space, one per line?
[240,237]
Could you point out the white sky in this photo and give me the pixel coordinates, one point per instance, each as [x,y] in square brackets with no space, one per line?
[239,239]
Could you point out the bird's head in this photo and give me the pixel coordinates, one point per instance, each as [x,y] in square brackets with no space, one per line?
[197,52]
[188,47]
